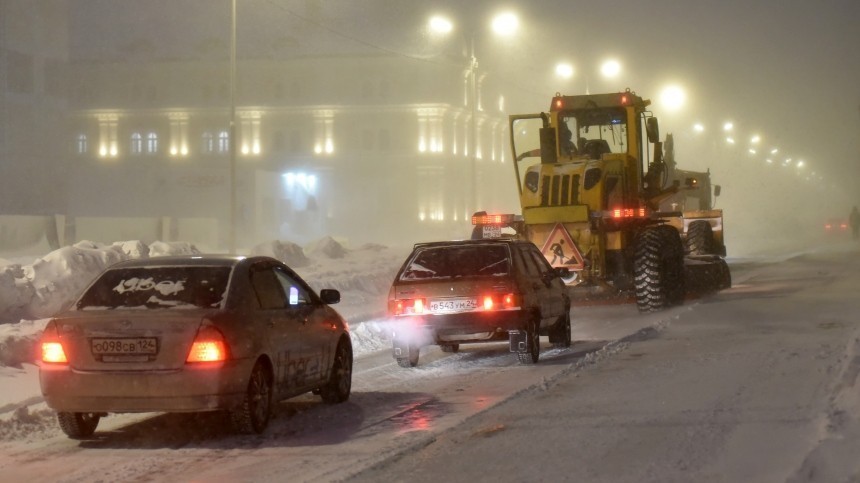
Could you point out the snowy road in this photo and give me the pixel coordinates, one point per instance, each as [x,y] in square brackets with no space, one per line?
[757,383]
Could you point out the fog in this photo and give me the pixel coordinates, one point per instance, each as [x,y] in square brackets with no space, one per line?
[352,117]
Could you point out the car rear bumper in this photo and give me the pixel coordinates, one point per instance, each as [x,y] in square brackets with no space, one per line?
[459,327]
[191,389]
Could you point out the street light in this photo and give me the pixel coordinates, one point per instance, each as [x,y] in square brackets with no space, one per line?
[564,70]
[231,242]
[673,97]
[503,24]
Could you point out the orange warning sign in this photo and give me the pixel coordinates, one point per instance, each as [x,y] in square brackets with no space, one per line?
[560,250]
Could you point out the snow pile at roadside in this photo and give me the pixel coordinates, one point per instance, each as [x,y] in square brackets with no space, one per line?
[30,294]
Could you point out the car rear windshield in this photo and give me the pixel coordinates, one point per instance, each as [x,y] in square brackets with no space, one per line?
[446,262]
[157,288]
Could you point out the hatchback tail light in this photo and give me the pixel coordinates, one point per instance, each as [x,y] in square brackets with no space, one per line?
[407,306]
[499,301]
[51,347]
[208,346]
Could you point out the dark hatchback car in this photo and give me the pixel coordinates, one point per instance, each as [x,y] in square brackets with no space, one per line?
[449,293]
[193,333]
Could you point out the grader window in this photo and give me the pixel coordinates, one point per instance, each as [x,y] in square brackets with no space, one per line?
[598,131]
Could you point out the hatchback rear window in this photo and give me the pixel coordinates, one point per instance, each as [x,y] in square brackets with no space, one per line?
[458,261]
[157,288]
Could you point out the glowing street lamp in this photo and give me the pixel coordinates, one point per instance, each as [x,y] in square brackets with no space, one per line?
[673,97]
[564,70]
[698,127]
[610,68]
[728,126]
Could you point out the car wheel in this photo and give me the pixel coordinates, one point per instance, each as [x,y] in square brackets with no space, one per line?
[338,387]
[561,331]
[453,348]
[78,425]
[252,416]
[410,359]
[532,352]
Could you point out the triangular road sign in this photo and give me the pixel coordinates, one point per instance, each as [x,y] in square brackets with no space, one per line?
[560,250]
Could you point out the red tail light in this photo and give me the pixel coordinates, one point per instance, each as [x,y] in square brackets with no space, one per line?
[627,213]
[208,346]
[51,347]
[499,302]
[488,302]
[53,352]
[408,307]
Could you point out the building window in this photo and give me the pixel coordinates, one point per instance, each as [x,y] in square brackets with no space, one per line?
[82,144]
[152,143]
[136,143]
[208,143]
[223,142]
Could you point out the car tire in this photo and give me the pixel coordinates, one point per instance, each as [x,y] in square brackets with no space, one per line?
[340,383]
[452,348]
[658,268]
[252,416]
[532,352]
[78,425]
[411,358]
[560,335]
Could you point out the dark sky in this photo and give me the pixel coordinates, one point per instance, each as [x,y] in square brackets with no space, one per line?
[788,70]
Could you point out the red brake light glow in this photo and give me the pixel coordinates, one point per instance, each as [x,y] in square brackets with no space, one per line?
[623,99]
[53,352]
[208,346]
[492,219]
[408,307]
[628,213]
[488,302]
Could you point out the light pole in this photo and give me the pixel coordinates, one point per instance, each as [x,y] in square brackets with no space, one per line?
[231,242]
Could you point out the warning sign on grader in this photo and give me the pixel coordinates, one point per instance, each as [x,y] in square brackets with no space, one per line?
[560,250]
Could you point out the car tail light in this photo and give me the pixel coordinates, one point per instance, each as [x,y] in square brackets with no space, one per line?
[499,302]
[408,307]
[52,348]
[208,346]
[488,302]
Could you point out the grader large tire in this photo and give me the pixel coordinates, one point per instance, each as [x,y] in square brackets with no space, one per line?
[658,268]
[700,238]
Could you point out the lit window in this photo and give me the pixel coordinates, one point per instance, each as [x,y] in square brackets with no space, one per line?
[152,143]
[223,142]
[136,143]
[208,143]
[82,144]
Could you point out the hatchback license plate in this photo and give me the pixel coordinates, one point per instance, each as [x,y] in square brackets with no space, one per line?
[453,305]
[124,346]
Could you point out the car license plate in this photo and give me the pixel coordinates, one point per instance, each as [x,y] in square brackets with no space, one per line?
[453,305]
[124,346]
[492,231]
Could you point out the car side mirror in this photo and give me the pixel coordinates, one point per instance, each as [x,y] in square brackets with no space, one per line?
[562,272]
[717,190]
[652,129]
[330,296]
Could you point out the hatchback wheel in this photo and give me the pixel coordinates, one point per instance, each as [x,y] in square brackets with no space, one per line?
[252,416]
[78,425]
[338,387]
[410,358]
[453,348]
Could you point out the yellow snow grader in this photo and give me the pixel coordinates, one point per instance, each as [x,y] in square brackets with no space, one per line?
[601,196]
